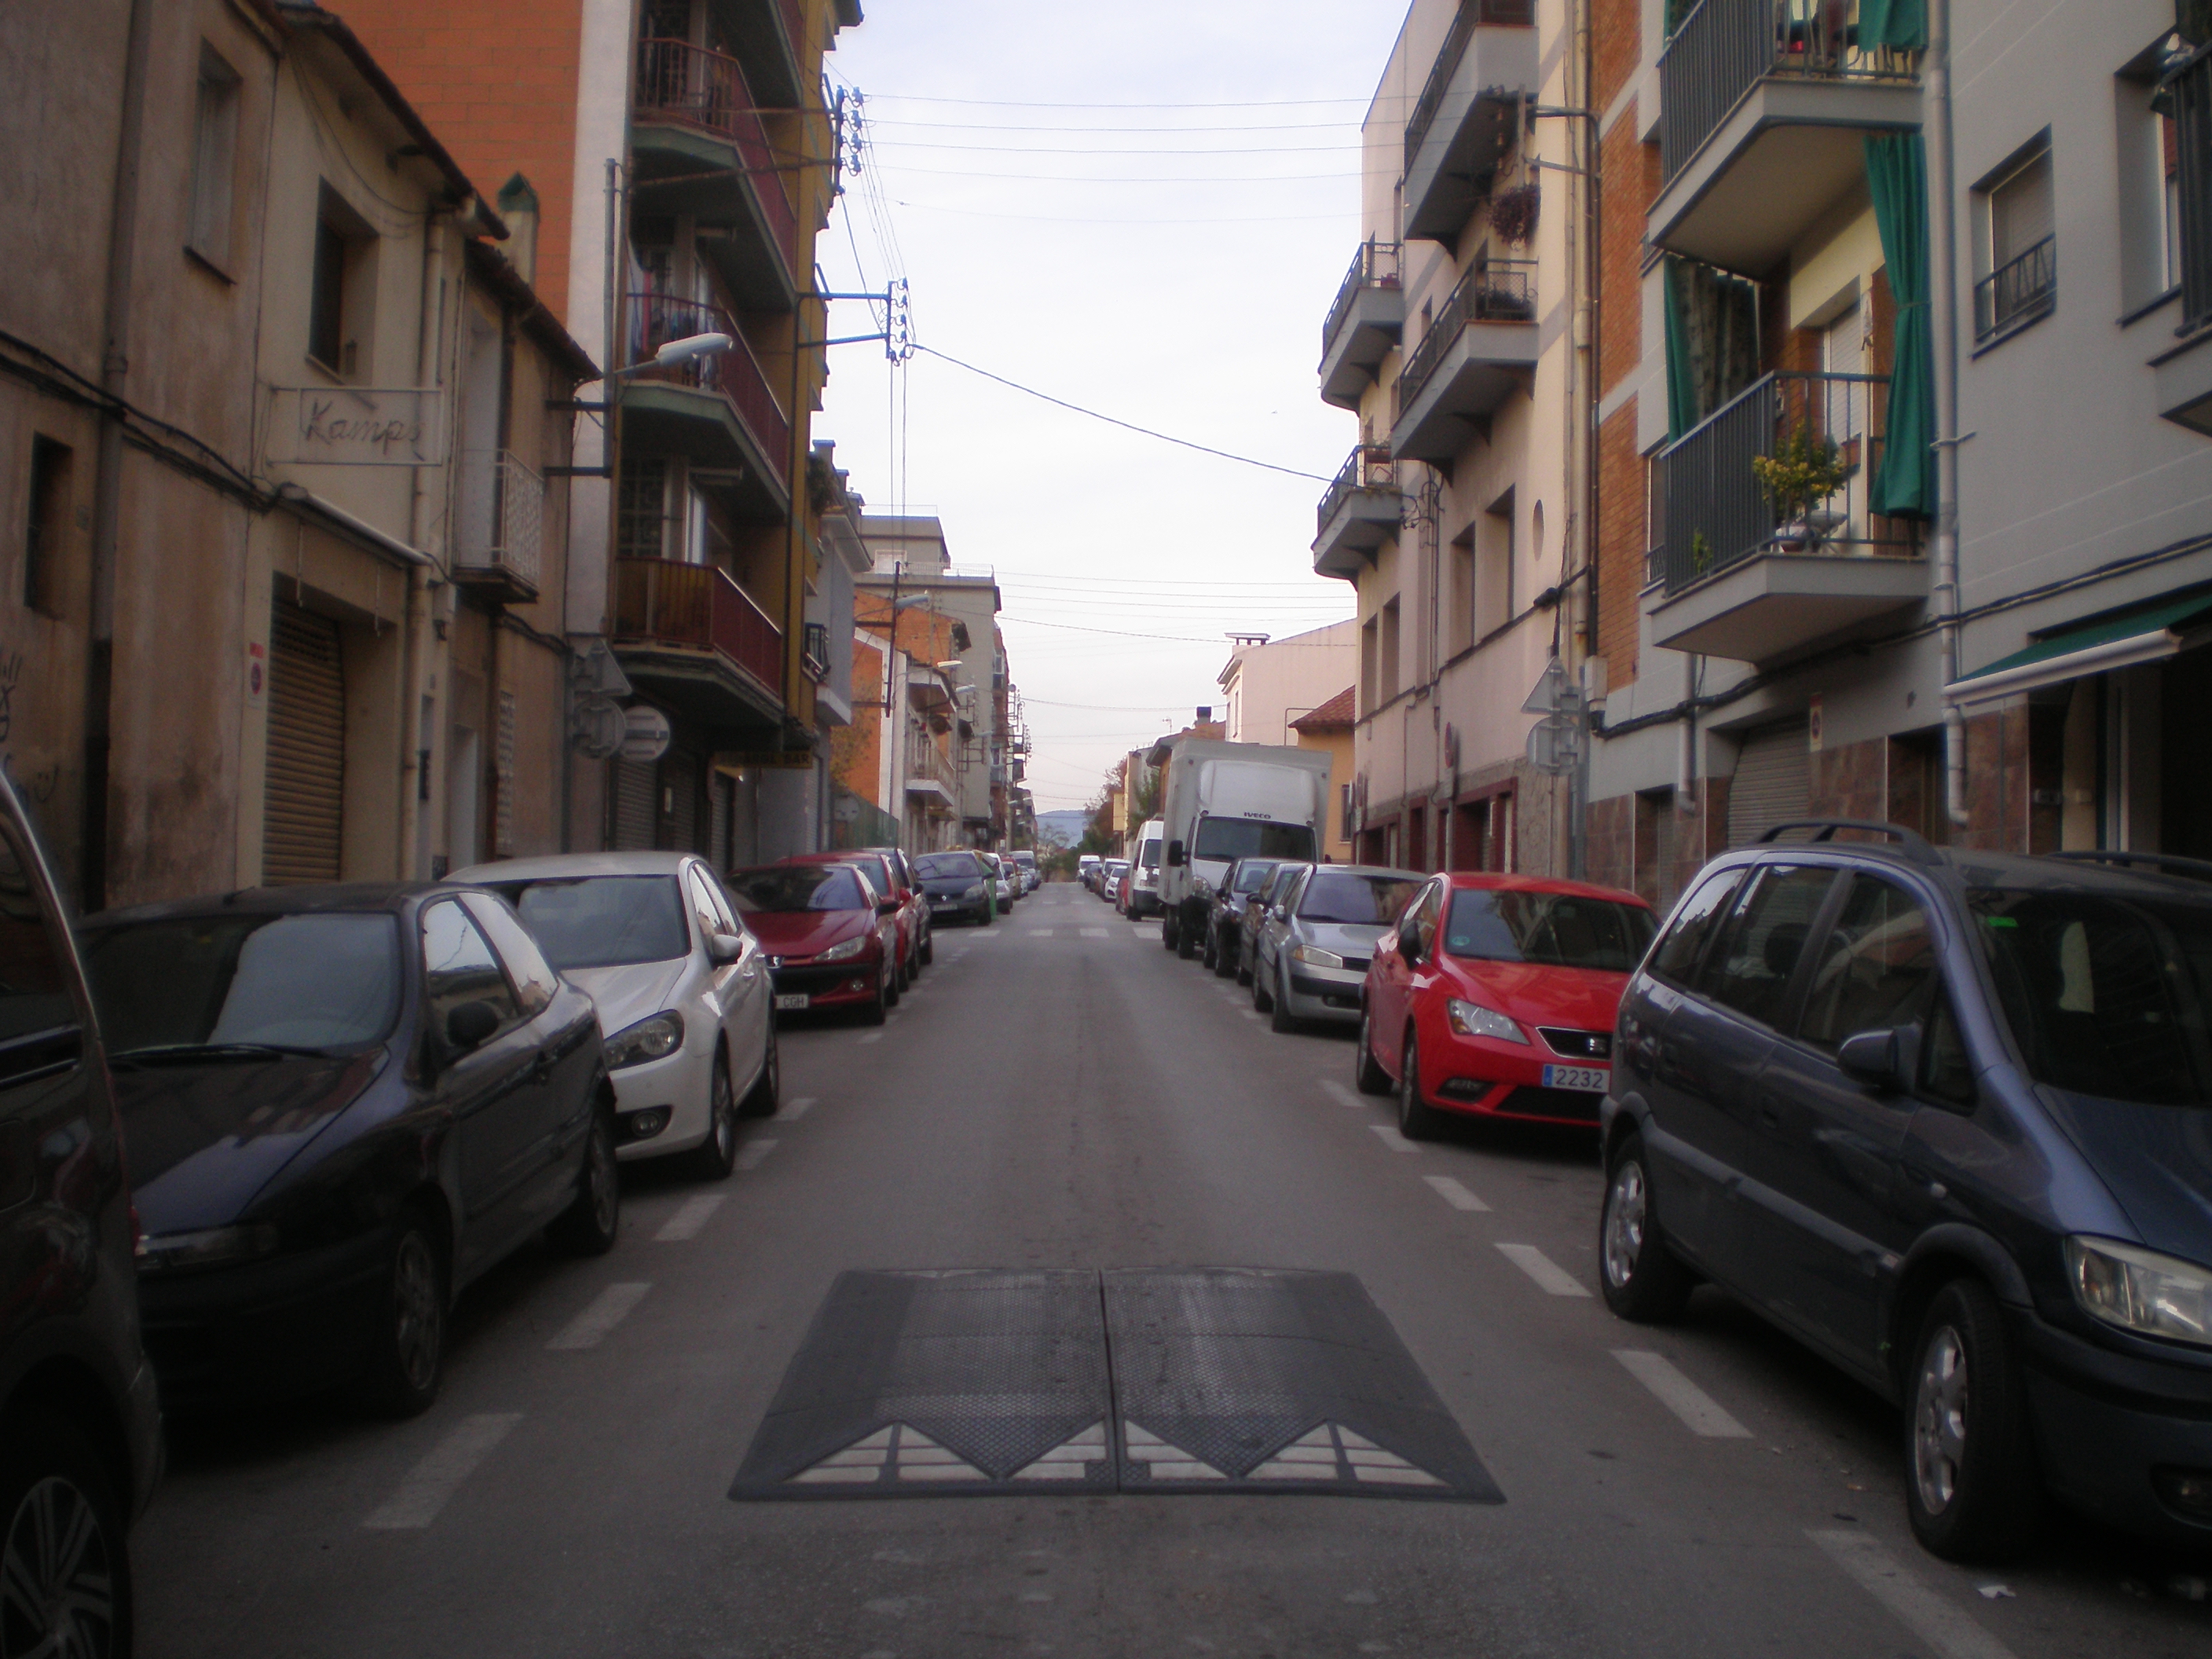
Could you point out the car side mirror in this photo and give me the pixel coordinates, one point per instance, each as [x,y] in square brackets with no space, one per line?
[724,948]
[1409,941]
[470,1025]
[1174,854]
[1875,1059]
[889,907]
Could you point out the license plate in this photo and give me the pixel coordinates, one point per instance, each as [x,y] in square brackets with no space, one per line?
[1595,1078]
[799,999]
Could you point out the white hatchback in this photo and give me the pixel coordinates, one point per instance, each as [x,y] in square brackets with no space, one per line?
[686,1007]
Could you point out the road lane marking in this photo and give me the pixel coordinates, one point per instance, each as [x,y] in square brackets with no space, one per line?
[872,1036]
[1949,1632]
[1553,1278]
[1390,1138]
[1097,933]
[754,1152]
[1039,932]
[1248,1013]
[1454,1194]
[605,1311]
[690,1218]
[792,1111]
[1342,1096]
[1696,1408]
[426,1487]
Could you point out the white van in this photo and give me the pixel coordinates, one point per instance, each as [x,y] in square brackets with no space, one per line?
[1145,877]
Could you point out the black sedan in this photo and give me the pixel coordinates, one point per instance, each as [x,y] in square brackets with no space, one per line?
[341,1105]
[958,887]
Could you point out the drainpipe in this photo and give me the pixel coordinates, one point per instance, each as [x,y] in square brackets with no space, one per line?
[107,484]
[417,654]
[1686,742]
[1943,326]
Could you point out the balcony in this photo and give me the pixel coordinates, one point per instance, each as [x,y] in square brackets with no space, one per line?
[1364,324]
[1358,514]
[700,149]
[1763,106]
[769,37]
[1468,115]
[929,775]
[499,526]
[1752,579]
[717,412]
[691,637]
[2017,292]
[814,652]
[1474,354]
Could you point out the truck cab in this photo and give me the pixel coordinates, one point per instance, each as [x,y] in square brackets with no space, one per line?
[1226,801]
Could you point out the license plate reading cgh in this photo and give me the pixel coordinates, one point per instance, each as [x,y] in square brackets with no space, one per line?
[792,999]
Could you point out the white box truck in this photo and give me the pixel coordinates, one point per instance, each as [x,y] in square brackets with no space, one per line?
[1227,801]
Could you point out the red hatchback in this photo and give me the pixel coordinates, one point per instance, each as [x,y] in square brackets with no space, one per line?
[832,941]
[886,873]
[1495,997]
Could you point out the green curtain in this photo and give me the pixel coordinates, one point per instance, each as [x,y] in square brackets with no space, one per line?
[1902,24]
[1712,340]
[1682,390]
[1897,174]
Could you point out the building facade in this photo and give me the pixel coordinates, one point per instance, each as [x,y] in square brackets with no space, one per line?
[1268,684]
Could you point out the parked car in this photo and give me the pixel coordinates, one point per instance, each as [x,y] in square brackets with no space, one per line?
[1494,996]
[958,887]
[1086,869]
[1144,895]
[884,875]
[681,989]
[1259,909]
[1111,875]
[908,889]
[1026,862]
[80,1412]
[344,1104]
[832,939]
[1310,957]
[1943,1117]
[1124,890]
[1224,921]
[1002,882]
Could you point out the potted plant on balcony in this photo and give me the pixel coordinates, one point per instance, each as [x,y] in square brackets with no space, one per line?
[1513,214]
[1803,470]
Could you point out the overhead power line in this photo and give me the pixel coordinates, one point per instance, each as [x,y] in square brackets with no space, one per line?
[1010,103]
[1026,126]
[1118,633]
[1117,179]
[1071,219]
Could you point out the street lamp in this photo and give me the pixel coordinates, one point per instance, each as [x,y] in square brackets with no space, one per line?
[673,354]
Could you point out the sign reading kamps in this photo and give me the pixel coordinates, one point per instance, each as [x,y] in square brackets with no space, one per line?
[357,426]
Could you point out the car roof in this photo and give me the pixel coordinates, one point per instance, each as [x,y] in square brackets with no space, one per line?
[2108,873]
[561,866]
[1369,870]
[1501,881]
[390,896]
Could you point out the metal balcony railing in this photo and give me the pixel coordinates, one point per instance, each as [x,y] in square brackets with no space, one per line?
[1725,46]
[500,516]
[656,319]
[1375,265]
[1502,291]
[679,81]
[1471,15]
[1716,511]
[924,759]
[2188,83]
[696,607]
[2018,291]
[814,652]
[1368,467]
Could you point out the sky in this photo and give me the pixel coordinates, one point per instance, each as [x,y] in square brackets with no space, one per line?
[999,137]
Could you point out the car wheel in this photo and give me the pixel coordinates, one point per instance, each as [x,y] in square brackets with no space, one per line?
[1209,954]
[407,1352]
[1643,1279]
[1417,1119]
[593,1219]
[1971,1485]
[717,1155]
[1241,968]
[895,973]
[67,1568]
[1263,999]
[1186,941]
[871,1013]
[767,1092]
[1283,1020]
[929,948]
[1367,1072]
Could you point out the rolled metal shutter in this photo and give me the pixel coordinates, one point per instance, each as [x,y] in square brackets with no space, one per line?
[634,806]
[303,809]
[718,787]
[1773,781]
[679,775]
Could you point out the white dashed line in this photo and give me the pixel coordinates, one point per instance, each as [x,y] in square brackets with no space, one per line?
[754,1152]
[1390,1138]
[1097,933]
[1039,932]
[1696,1408]
[792,1111]
[872,1036]
[1342,1096]
[1546,1272]
[690,1218]
[1248,1013]
[1948,1631]
[606,1310]
[1454,1194]
[427,1487]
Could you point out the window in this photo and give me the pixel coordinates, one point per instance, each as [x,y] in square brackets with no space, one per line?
[342,303]
[1370,664]
[1676,959]
[1336,895]
[642,511]
[459,967]
[1946,1071]
[33,994]
[45,529]
[1873,967]
[602,921]
[1559,930]
[2018,250]
[1464,631]
[1751,972]
[1494,566]
[1237,838]
[1422,919]
[535,982]
[215,159]
[1386,655]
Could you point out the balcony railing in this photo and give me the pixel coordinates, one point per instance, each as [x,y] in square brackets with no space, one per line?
[1375,265]
[1368,467]
[1503,291]
[2187,82]
[1715,509]
[1724,46]
[1471,15]
[679,81]
[925,760]
[696,607]
[500,527]
[657,319]
[2018,291]
[814,652]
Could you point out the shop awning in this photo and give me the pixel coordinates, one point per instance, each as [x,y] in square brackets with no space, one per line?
[2094,648]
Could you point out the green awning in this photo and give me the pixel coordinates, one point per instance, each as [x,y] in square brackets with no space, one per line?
[2111,642]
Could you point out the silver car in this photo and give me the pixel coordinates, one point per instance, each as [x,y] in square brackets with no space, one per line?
[1310,957]
[1256,911]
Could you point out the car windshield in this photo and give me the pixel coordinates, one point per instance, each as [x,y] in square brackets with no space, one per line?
[327,981]
[1339,896]
[2106,996]
[945,866]
[1558,930]
[1236,838]
[797,887]
[1250,876]
[1148,855]
[602,921]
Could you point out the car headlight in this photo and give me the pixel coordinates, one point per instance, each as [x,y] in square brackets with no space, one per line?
[974,891]
[215,1246]
[1202,887]
[649,1039]
[1314,956]
[1472,1020]
[2137,1289]
[847,951]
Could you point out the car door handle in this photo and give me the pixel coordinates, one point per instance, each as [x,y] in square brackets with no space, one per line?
[542,1067]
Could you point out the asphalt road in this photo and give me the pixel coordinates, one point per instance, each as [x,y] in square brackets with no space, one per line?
[1059,1092]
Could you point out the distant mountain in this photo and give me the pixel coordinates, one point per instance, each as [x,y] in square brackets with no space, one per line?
[1064,827]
